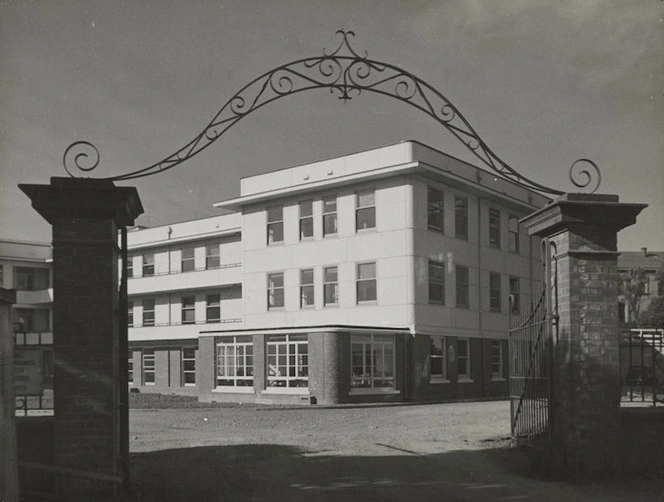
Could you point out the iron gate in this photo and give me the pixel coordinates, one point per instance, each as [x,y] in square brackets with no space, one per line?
[530,349]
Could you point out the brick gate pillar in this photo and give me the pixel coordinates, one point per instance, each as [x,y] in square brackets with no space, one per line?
[91,441]
[585,395]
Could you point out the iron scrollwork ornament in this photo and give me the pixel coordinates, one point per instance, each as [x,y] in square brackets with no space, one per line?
[345,73]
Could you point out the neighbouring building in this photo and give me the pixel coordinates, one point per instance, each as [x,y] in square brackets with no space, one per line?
[651,264]
[385,275]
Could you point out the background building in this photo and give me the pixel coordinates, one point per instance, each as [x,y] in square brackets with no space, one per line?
[648,268]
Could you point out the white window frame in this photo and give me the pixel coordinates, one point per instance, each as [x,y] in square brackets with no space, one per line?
[368,279]
[152,310]
[361,209]
[497,366]
[287,354]
[130,367]
[274,224]
[330,214]
[495,293]
[461,217]
[515,308]
[148,356]
[466,376]
[435,282]
[130,268]
[306,218]
[272,290]
[212,256]
[148,269]
[188,262]
[188,369]
[307,289]
[330,284]
[130,313]
[364,382]
[438,342]
[513,234]
[436,207]
[211,304]
[237,353]
[188,304]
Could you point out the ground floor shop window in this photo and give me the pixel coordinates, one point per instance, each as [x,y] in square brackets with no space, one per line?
[372,362]
[287,361]
[148,366]
[235,362]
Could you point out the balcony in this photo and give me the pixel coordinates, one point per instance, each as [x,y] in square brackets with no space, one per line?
[196,279]
[178,331]
[32,297]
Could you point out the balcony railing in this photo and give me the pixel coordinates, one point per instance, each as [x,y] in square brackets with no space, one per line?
[163,324]
[177,272]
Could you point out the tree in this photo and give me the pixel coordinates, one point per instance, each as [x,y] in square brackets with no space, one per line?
[653,317]
[632,287]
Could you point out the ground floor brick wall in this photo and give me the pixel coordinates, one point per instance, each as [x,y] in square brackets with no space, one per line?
[168,370]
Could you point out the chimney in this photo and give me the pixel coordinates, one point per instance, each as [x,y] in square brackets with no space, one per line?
[644,251]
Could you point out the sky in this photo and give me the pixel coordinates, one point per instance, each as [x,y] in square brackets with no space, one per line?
[544,83]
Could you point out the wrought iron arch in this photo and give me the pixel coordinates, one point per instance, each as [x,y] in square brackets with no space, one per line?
[347,74]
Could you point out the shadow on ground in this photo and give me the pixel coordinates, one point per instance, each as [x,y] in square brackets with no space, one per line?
[276,473]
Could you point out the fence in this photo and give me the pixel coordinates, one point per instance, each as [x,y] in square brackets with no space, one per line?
[642,367]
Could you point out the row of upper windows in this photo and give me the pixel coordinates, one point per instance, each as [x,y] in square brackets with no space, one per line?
[437,288]
[187,261]
[188,311]
[366,288]
[365,218]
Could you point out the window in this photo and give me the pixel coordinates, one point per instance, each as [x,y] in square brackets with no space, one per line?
[235,361]
[496,359]
[436,282]
[213,308]
[435,209]
[148,366]
[372,362]
[188,310]
[306,220]
[287,361]
[33,320]
[462,287]
[494,228]
[513,229]
[188,260]
[212,256]
[515,295]
[660,288]
[494,292]
[130,313]
[365,214]
[275,290]
[307,288]
[31,279]
[437,363]
[275,225]
[189,366]
[148,264]
[461,217]
[2,284]
[130,367]
[463,358]
[130,266]
[330,286]
[148,312]
[329,216]
[366,282]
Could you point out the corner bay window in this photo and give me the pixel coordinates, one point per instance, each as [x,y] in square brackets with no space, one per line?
[372,362]
[275,225]
[435,215]
[366,282]
[235,361]
[365,212]
[275,290]
[437,363]
[306,220]
[329,216]
[287,361]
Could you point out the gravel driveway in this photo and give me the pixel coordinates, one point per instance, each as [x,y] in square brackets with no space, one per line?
[405,452]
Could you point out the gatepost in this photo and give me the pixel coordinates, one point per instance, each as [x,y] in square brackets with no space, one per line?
[91,421]
[586,382]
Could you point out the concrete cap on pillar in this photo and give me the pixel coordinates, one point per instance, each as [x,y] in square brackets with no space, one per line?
[85,198]
[577,209]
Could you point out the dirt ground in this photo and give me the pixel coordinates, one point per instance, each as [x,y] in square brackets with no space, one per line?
[454,452]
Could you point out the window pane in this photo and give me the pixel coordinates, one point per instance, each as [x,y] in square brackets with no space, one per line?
[275,214]
[366,290]
[366,270]
[306,208]
[365,199]
[461,217]
[366,218]
[329,224]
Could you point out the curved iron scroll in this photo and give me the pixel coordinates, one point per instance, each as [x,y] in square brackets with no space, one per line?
[346,74]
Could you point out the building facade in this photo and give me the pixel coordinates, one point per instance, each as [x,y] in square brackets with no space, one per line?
[384,275]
